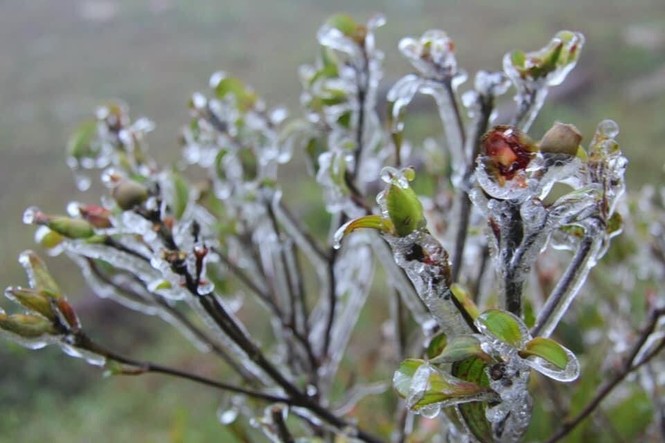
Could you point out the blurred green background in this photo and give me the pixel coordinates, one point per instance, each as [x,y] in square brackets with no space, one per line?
[59,59]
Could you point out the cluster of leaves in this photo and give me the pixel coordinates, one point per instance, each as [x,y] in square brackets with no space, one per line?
[475,284]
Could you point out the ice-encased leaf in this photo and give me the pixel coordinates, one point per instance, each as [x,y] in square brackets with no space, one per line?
[503,326]
[459,348]
[32,331]
[343,34]
[551,359]
[424,386]
[551,63]
[35,300]
[39,276]
[473,414]
[433,54]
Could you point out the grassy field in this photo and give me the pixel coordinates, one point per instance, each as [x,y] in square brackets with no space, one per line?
[59,59]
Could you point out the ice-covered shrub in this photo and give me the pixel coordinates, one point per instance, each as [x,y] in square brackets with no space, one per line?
[467,229]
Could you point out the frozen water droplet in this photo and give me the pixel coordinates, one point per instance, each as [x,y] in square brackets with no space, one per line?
[143,125]
[430,411]
[312,390]
[82,181]
[152,204]
[608,128]
[334,38]
[9,293]
[470,101]
[228,416]
[24,260]
[388,174]
[278,115]
[215,78]
[495,414]
[110,177]
[206,287]
[339,235]
[73,209]
[31,215]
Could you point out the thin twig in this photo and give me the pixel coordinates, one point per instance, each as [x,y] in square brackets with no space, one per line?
[311,241]
[240,274]
[291,287]
[332,300]
[84,342]
[486,106]
[283,432]
[563,286]
[177,315]
[628,367]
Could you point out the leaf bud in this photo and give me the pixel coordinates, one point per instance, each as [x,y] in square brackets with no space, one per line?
[128,194]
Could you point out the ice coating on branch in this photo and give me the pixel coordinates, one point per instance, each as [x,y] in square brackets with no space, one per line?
[433,56]
[399,96]
[354,272]
[91,358]
[511,417]
[426,264]
[585,220]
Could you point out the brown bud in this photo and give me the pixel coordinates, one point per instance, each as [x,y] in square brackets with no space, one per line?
[561,138]
[507,150]
[96,215]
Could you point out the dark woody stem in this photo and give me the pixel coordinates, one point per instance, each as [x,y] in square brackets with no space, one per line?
[473,147]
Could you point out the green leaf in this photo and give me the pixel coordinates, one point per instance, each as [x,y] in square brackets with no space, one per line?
[404,209]
[436,345]
[473,414]
[614,224]
[38,274]
[80,144]
[74,228]
[503,326]
[368,222]
[547,349]
[48,239]
[518,58]
[460,348]
[442,388]
[27,325]
[464,298]
[344,23]
[180,195]
[35,300]
[245,97]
